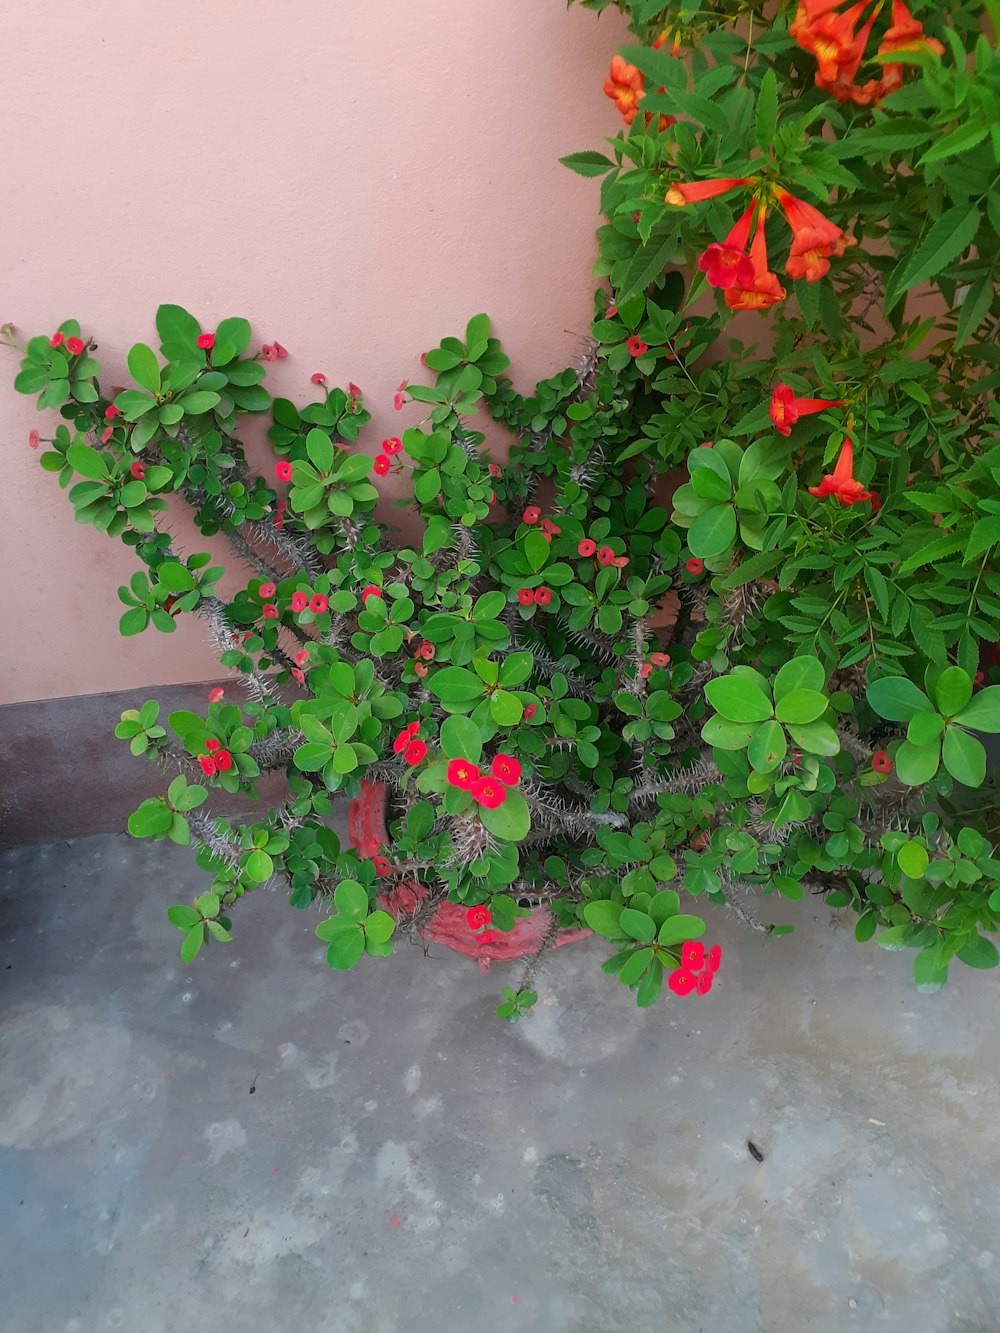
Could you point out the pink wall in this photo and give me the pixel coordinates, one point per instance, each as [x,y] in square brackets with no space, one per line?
[355,178]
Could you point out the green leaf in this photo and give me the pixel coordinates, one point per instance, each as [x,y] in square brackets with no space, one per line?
[379,926]
[588,163]
[175,325]
[637,925]
[738,699]
[930,971]
[952,691]
[144,367]
[983,713]
[800,705]
[815,738]
[713,533]
[506,709]
[347,947]
[897,699]
[767,111]
[974,309]
[604,917]
[87,461]
[646,265]
[510,821]
[948,238]
[727,735]
[196,403]
[681,927]
[351,900]
[925,729]
[312,756]
[964,757]
[912,858]
[183,917]
[801,673]
[767,747]
[536,550]
[461,738]
[132,404]
[916,765]
[152,818]
[981,953]
[175,577]
[957,142]
[191,944]
[635,965]
[259,867]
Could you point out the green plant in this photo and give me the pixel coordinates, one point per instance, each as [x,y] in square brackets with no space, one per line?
[581,694]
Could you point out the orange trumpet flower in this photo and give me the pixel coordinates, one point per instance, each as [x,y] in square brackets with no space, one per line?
[765,289]
[815,239]
[786,408]
[841,482]
[907,34]
[696,192]
[727,264]
[625,86]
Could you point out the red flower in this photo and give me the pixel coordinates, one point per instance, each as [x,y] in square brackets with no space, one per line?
[620,561]
[707,444]
[695,566]
[302,656]
[815,239]
[282,353]
[786,408]
[704,982]
[841,482]
[714,958]
[549,528]
[402,741]
[532,514]
[907,34]
[279,521]
[213,744]
[727,264]
[525,596]
[107,433]
[206,341]
[74,346]
[414,752]
[881,762]
[646,670]
[213,698]
[530,712]
[299,602]
[57,339]
[462,773]
[494,470]
[681,981]
[693,955]
[478,917]
[370,591]
[207,765]
[223,761]
[283,471]
[34,439]
[137,469]
[427,651]
[265,591]
[695,192]
[269,353]
[488,792]
[507,769]
[317,378]
[605,555]
[412,728]
[543,596]
[382,465]
[586,547]
[318,603]
[660,659]
[636,346]
[382,867]
[270,611]
[392,445]
[298,675]
[765,290]
[110,412]
[400,396]
[625,86]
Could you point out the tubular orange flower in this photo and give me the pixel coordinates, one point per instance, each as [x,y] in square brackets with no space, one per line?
[695,192]
[765,290]
[841,482]
[814,239]
[727,264]
[664,37]
[907,34]
[625,86]
[786,408]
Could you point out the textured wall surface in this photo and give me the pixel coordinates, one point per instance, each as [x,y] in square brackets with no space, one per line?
[356,179]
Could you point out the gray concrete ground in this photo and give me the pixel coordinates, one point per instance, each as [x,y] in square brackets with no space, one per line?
[255,1143]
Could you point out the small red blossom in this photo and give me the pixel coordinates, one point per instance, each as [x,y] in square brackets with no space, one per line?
[370,591]
[543,596]
[415,752]
[881,762]
[281,351]
[635,345]
[382,465]
[525,596]
[696,192]
[714,958]
[980,676]
[586,547]
[207,765]
[317,377]
[400,396]
[764,290]
[214,697]
[302,656]
[841,482]
[57,339]
[507,769]
[605,555]
[488,792]
[462,773]
[531,515]
[269,353]
[266,590]
[412,728]
[693,955]
[530,712]
[392,445]
[494,470]
[382,867]
[786,408]
[283,470]
[704,983]
[270,611]
[354,393]
[646,670]
[549,528]
[681,981]
[478,917]
[107,433]
[137,469]
[727,264]
[660,659]
[223,761]
[34,439]
[815,239]
[206,341]
[212,745]
[299,602]
[620,561]
[695,566]
[279,521]
[75,346]
[427,651]
[707,444]
[110,412]
[625,85]
[402,741]
[318,603]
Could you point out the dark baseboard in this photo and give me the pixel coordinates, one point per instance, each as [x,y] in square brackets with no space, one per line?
[64,774]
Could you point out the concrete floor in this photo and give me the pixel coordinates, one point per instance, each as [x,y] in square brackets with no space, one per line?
[408,1162]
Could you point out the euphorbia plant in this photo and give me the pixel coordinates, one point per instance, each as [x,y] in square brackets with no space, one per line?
[582,694]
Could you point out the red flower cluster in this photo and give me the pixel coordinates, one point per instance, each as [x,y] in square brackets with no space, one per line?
[841,482]
[697,970]
[786,408]
[831,35]
[409,746]
[217,760]
[625,85]
[487,790]
[534,596]
[316,602]
[273,352]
